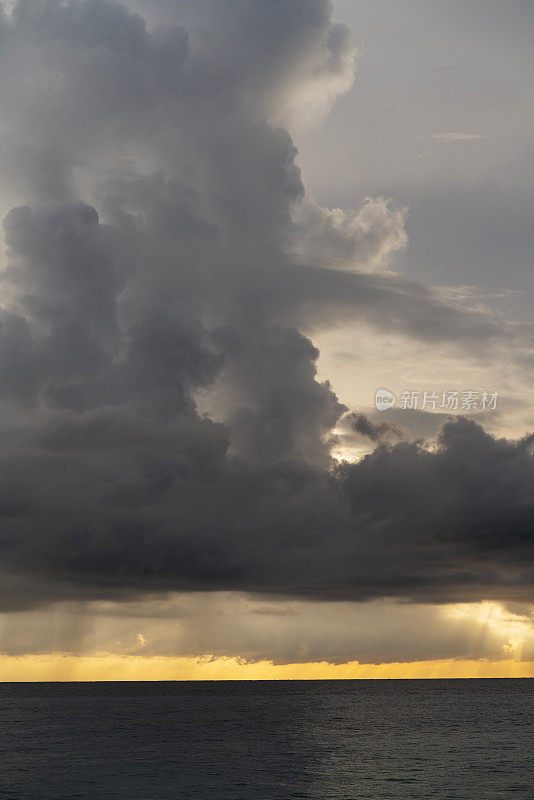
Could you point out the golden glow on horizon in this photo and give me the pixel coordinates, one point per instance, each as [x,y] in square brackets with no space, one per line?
[108,667]
[513,628]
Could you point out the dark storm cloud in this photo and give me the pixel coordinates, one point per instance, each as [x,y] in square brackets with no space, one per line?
[190,278]
[137,514]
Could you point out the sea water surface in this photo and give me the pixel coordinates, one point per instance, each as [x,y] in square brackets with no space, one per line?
[363,740]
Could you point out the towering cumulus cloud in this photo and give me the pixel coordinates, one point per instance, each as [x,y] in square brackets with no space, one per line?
[162,424]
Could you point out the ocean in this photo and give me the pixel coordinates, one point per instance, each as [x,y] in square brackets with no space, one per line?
[268,740]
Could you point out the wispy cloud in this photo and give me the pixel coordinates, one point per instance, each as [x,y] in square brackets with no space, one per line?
[458,137]
[446,138]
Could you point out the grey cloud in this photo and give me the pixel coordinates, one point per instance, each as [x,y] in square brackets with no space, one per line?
[378,432]
[424,426]
[365,238]
[281,409]
[151,258]
[448,524]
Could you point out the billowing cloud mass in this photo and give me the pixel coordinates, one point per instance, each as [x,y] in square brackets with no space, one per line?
[163,427]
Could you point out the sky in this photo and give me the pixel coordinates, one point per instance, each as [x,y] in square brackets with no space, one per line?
[226,227]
